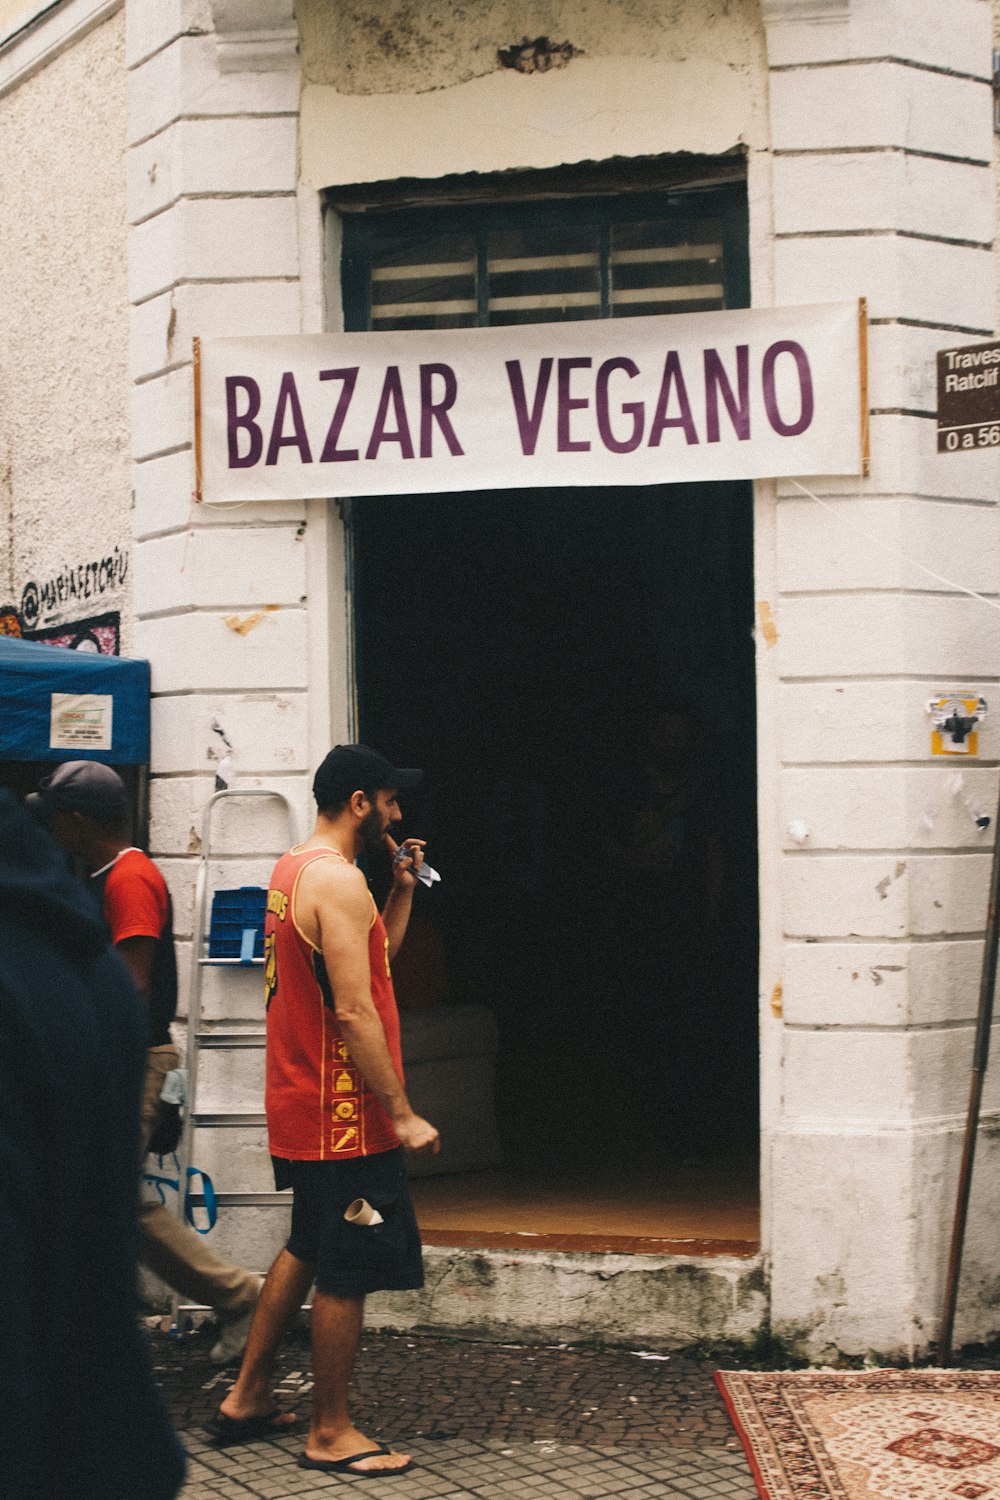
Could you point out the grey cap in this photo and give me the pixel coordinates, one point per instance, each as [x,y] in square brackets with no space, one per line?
[84,786]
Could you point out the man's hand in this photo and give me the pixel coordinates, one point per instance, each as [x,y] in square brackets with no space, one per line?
[417,1135]
[406,858]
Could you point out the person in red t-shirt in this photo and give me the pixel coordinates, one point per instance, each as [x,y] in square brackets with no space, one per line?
[337,1112]
[84,806]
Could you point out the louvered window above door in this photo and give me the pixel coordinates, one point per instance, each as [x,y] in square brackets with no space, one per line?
[545,262]
[425,283]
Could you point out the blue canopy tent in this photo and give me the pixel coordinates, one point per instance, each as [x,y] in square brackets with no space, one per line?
[57,704]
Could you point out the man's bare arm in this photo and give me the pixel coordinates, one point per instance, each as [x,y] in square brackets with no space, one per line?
[342,907]
[138,953]
[396,916]
[399,902]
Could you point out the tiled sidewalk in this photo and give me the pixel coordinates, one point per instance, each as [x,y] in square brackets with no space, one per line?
[491,1421]
[458,1467]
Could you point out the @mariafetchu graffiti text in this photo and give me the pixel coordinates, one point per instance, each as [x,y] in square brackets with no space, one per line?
[43,598]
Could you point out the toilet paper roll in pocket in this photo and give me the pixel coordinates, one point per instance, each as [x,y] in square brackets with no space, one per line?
[361,1213]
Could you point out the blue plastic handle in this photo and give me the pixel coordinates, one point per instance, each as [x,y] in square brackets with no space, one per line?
[160,1182]
[208,1193]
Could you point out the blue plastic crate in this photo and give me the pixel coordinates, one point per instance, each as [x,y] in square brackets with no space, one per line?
[236,928]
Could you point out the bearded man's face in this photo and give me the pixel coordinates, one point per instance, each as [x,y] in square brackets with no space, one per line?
[373,831]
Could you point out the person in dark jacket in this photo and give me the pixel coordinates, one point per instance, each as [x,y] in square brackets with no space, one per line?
[80,1415]
[84,806]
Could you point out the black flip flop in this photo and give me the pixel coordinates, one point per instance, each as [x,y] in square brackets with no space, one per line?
[343,1465]
[225,1431]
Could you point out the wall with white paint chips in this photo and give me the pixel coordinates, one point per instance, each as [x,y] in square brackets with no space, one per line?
[882,155]
[65,557]
[223,602]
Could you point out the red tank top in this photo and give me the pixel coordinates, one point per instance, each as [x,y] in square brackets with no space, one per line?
[317,1102]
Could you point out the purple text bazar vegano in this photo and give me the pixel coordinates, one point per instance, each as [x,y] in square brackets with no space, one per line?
[557,403]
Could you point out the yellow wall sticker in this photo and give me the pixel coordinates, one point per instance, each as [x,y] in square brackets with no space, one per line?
[953,717]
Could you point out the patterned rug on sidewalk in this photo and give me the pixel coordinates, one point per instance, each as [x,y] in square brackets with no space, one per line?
[868,1434]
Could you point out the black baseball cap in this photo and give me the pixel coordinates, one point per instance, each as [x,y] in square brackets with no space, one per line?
[84,786]
[358,768]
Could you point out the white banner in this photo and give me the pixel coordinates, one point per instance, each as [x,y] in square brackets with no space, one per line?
[747,394]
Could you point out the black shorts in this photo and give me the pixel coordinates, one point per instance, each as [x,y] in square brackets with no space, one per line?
[351,1259]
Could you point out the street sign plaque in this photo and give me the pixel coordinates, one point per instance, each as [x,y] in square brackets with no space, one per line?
[968,398]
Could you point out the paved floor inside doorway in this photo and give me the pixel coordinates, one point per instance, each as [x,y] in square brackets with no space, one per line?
[702,1207]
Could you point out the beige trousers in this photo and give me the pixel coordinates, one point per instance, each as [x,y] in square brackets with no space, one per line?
[168,1246]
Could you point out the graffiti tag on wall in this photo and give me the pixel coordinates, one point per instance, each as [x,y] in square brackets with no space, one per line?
[46,598]
[98,633]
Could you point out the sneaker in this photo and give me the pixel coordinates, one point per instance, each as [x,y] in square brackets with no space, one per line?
[232,1338]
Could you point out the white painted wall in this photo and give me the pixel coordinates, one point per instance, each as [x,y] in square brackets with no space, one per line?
[214,249]
[64,475]
[996,133]
[880,126]
[15,14]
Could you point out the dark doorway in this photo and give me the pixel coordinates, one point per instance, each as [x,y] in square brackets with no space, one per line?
[575,671]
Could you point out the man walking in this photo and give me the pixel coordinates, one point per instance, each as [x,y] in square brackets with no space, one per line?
[337,1112]
[85,807]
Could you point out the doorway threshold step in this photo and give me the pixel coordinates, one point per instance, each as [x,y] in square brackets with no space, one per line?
[592,1244]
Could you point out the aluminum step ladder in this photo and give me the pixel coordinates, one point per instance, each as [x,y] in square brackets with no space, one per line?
[221,1039]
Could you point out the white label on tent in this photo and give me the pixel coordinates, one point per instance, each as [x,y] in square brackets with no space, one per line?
[81,721]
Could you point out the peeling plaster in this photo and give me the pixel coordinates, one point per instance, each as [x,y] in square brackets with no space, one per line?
[382,49]
[418,91]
